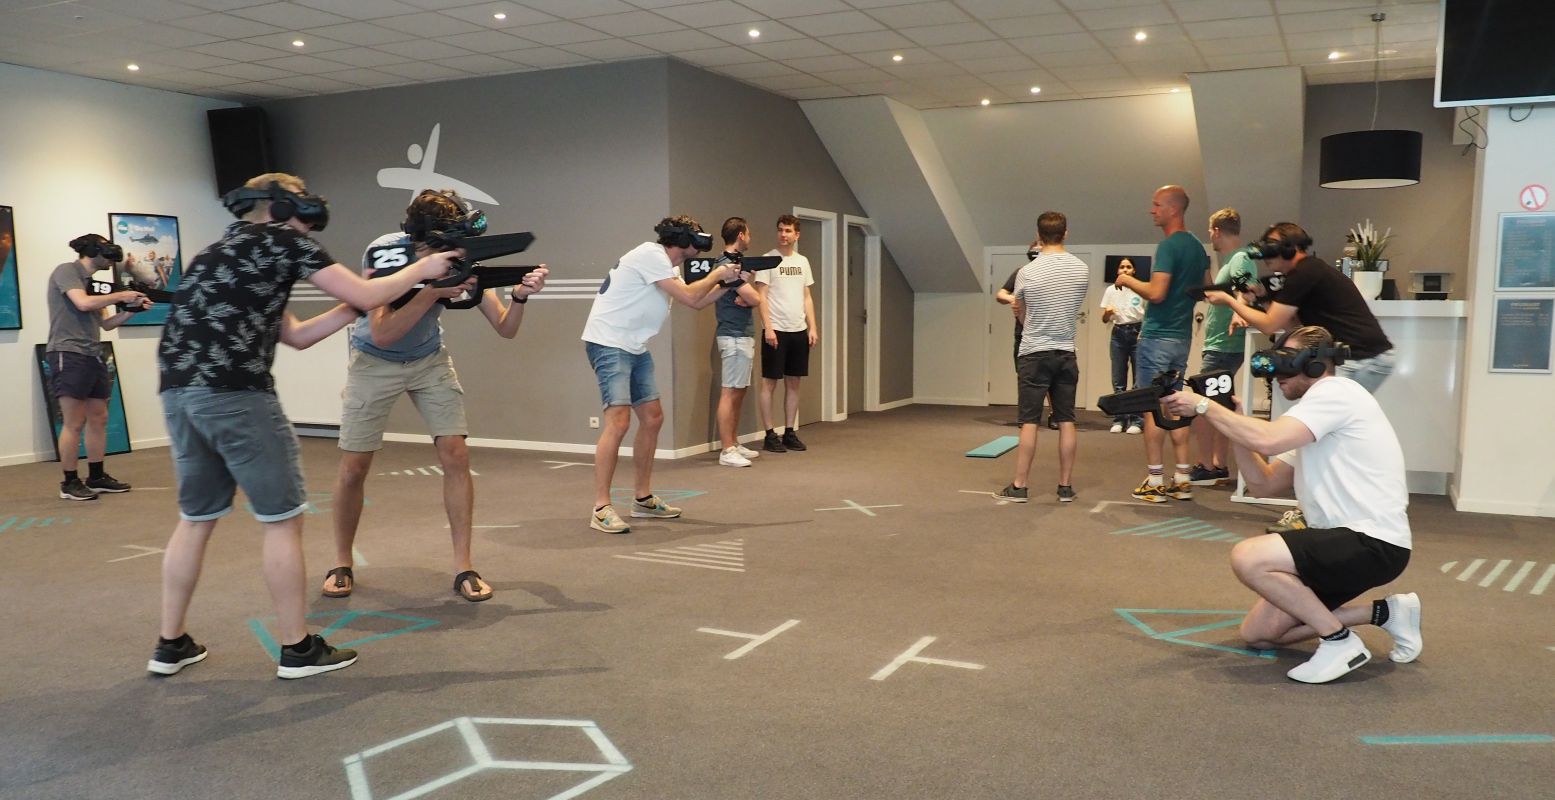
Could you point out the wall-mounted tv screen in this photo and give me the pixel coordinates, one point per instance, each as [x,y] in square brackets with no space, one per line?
[1495,52]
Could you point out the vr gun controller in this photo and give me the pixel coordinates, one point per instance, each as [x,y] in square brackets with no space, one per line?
[1272,284]
[695,269]
[130,285]
[1218,386]
[389,259]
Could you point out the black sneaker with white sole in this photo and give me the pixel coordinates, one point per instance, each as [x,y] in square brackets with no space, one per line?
[75,490]
[1013,493]
[106,483]
[172,656]
[319,657]
[791,441]
[1065,494]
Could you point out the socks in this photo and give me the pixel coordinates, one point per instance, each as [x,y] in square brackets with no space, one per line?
[302,646]
[181,640]
[1379,612]
[1339,636]
[94,469]
[71,475]
[1156,477]
[1181,476]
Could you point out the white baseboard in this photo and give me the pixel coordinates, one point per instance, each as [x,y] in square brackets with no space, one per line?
[34,458]
[1497,507]
[568,447]
[951,401]
[906,401]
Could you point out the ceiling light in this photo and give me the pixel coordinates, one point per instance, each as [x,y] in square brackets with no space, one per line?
[499,15]
[1334,56]
[1036,90]
[897,57]
[1371,159]
[133,68]
[1141,36]
[754,34]
[296,43]
[1176,89]
[986,101]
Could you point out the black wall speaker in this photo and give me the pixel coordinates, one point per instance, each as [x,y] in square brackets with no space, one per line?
[240,145]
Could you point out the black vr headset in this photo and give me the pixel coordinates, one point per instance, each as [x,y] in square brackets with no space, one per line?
[93,245]
[684,236]
[422,226]
[1269,248]
[310,208]
[1288,362]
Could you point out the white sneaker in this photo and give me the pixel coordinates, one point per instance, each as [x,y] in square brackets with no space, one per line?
[1117,427]
[1135,429]
[746,451]
[732,458]
[1404,626]
[1333,660]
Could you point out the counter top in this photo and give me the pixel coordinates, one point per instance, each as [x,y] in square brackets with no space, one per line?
[1419,308]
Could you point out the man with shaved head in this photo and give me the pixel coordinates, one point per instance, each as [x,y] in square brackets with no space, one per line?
[1180,264]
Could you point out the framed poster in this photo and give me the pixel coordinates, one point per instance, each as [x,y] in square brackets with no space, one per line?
[10,289]
[152,259]
[118,426]
[1525,253]
[1520,335]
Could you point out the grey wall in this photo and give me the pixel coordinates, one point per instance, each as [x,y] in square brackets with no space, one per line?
[739,151]
[579,156]
[896,330]
[1250,130]
[1098,161]
[1430,220]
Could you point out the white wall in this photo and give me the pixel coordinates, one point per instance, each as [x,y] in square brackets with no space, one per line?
[1504,439]
[72,150]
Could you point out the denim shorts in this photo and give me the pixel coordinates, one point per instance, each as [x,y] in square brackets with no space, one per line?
[1155,356]
[223,440]
[625,379]
[738,354]
[1216,360]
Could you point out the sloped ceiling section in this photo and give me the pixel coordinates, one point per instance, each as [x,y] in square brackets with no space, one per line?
[895,169]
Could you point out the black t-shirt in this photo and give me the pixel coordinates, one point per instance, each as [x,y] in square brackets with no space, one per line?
[226,316]
[1009,286]
[1323,296]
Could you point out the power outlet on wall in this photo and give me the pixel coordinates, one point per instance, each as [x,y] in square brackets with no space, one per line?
[593,422]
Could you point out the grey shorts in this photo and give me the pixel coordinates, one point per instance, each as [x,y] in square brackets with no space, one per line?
[374,384]
[738,354]
[225,440]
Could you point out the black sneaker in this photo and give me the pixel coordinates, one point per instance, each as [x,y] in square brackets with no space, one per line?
[773,444]
[1066,494]
[1012,493]
[106,483]
[75,490]
[1201,475]
[791,441]
[170,657]
[318,658]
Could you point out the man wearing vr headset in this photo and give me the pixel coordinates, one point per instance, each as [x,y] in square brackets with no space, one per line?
[398,351]
[632,305]
[1319,295]
[81,381]
[1337,451]
[227,427]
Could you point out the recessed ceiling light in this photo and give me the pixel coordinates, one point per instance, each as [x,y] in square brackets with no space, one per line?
[1334,56]
[133,68]
[296,43]
[897,57]
[986,101]
[1036,90]
[1176,89]
[499,15]
[754,34]
[1141,36]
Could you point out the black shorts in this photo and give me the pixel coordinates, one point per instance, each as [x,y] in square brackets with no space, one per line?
[1046,374]
[1339,564]
[791,357]
[78,376]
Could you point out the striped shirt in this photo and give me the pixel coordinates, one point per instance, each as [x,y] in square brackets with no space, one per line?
[1052,290]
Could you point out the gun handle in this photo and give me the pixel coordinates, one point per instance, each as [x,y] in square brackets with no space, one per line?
[1166,423]
[476,295]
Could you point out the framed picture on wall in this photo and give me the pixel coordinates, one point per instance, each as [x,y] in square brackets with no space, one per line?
[118,425]
[152,258]
[10,285]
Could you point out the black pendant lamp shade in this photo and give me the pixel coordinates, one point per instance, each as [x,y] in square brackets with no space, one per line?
[1370,160]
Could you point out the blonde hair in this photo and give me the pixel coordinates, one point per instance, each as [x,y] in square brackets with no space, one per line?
[1227,221]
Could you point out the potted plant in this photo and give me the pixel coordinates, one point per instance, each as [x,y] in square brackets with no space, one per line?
[1369,247]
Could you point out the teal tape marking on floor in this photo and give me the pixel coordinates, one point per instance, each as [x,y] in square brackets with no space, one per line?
[1182,528]
[995,448]
[344,618]
[1177,635]
[1496,738]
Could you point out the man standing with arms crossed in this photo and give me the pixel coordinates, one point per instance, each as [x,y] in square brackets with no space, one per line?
[1223,347]
[736,338]
[1180,264]
[788,314]
[1048,293]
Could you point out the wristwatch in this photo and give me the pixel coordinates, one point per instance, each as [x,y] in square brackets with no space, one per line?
[1202,407]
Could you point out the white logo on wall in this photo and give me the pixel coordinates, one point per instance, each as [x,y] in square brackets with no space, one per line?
[425,175]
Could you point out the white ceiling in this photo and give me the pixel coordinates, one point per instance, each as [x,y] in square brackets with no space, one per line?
[954,52]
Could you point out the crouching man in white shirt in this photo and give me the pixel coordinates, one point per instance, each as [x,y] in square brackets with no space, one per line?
[1336,449]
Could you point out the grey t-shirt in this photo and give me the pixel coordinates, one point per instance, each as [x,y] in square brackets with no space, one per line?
[72,330]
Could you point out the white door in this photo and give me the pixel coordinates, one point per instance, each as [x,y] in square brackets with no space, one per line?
[1001,261]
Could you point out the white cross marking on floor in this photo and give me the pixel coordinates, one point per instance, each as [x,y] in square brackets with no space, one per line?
[911,654]
[566,464]
[852,506]
[994,495]
[148,552]
[757,640]
[357,558]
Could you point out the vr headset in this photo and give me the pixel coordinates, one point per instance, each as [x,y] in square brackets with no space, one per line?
[424,227]
[684,236]
[93,245]
[1289,362]
[310,208]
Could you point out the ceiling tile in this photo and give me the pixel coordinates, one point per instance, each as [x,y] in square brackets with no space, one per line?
[480,64]
[847,76]
[267,90]
[818,93]
[315,84]
[676,41]
[486,42]
[289,16]
[366,77]
[554,33]
[1021,77]
[610,50]
[782,83]
[1039,25]
[928,69]
[719,56]
[426,49]
[188,59]
[1039,45]
[983,66]
[199,79]
[756,69]
[546,57]
[740,34]
[951,82]
[1300,6]
[1076,58]
[226,26]
[360,9]
[303,65]
[958,52]
[224,5]
[1087,5]
[834,24]
[575,9]
[949,34]
[865,42]
[1130,17]
[428,24]
[516,15]
[800,48]
[249,72]
[783,9]
[1326,21]
[164,35]
[150,10]
[423,71]
[239,51]
[310,44]
[61,19]
[1164,52]
[361,33]
[634,23]
[1195,10]
[705,15]
[1232,28]
[1070,74]
[1001,9]
[367,57]
[825,63]
[1251,44]
[920,14]
[1246,60]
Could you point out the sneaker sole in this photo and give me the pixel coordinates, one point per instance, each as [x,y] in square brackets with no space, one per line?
[1153,498]
[1357,661]
[96,490]
[164,668]
[1066,499]
[64,496]
[598,527]
[722,463]
[293,673]
[1184,496]
[649,515]
[1011,499]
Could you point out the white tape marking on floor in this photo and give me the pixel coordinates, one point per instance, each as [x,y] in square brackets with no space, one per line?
[1468,572]
[1544,580]
[357,558]
[680,563]
[566,464]
[852,506]
[1517,577]
[757,640]
[149,551]
[911,654]
[1490,577]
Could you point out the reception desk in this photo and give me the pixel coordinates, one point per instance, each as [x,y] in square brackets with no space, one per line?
[1424,397]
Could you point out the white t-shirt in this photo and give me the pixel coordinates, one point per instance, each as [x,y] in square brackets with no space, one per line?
[785,292]
[1353,475]
[630,308]
[1127,307]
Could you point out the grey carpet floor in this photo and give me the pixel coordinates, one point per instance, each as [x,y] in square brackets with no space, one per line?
[1076,652]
